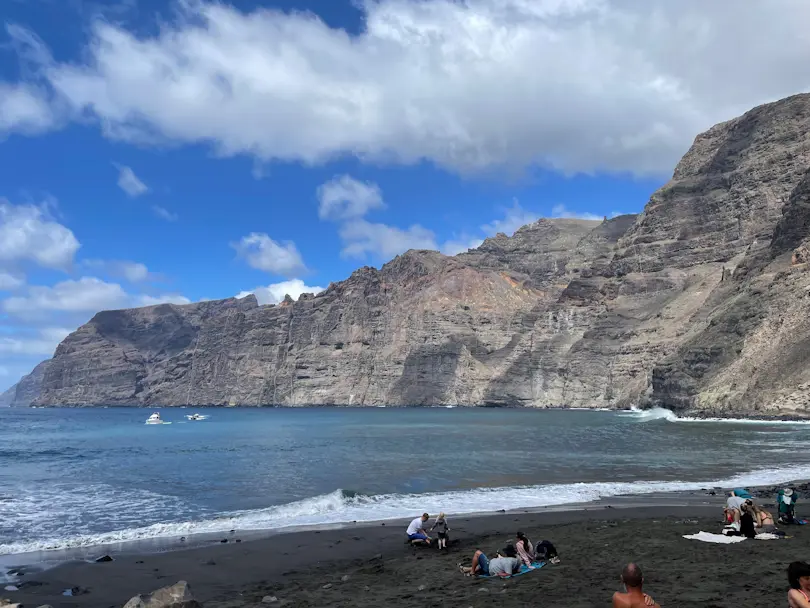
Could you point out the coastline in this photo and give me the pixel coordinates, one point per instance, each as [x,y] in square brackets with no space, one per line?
[741,416]
[370,565]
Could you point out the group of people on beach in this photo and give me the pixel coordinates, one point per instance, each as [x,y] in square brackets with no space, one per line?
[743,516]
[507,562]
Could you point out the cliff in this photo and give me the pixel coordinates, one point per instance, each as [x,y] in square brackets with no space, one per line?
[699,303]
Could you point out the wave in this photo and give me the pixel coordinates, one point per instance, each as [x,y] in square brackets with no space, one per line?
[660,413]
[342,507]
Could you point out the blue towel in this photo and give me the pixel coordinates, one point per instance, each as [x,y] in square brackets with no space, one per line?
[523,570]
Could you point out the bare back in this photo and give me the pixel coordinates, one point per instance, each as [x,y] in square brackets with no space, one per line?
[627,600]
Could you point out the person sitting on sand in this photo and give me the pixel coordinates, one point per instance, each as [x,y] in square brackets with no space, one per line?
[443,528]
[762,518]
[799,579]
[634,596]
[505,565]
[525,550]
[416,530]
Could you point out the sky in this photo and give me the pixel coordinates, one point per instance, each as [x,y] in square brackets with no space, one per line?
[175,151]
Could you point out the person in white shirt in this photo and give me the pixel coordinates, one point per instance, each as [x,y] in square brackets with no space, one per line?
[416,530]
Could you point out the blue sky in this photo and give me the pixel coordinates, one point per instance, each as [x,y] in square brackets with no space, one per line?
[163,151]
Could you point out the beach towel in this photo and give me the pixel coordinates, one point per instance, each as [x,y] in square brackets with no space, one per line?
[523,570]
[768,536]
[708,537]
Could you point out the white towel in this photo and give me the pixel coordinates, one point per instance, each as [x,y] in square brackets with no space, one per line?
[708,537]
[767,536]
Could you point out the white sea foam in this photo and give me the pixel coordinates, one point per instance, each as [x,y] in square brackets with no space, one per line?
[340,507]
[660,413]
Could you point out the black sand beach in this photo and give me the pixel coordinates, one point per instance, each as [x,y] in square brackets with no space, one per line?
[372,566]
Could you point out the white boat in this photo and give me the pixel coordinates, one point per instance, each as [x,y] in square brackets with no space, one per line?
[194,417]
[156,419]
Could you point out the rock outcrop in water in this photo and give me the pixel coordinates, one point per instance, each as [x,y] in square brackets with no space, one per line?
[699,303]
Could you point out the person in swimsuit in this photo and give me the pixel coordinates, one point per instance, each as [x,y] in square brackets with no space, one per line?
[634,596]
[799,579]
[762,518]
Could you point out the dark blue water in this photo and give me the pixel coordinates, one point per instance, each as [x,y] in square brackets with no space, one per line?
[80,477]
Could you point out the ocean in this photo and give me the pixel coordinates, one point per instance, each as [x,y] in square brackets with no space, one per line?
[72,478]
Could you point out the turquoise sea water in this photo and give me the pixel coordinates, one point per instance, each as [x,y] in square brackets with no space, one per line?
[82,477]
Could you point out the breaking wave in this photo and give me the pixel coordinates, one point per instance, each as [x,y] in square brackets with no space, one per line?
[660,413]
[341,507]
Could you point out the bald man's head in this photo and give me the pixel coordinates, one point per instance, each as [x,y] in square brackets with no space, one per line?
[631,576]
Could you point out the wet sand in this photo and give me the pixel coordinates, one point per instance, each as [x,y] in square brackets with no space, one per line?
[372,566]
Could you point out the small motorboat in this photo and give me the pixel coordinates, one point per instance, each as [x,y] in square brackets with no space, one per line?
[195,417]
[156,419]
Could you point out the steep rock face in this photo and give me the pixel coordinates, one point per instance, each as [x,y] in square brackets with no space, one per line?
[754,352]
[699,303]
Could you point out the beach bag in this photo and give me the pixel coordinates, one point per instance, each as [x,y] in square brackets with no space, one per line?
[544,551]
[747,528]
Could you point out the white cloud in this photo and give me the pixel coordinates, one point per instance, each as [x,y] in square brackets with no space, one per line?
[362,238]
[82,296]
[25,109]
[164,213]
[263,253]
[87,294]
[9,282]
[133,272]
[147,300]
[27,233]
[514,217]
[578,85]
[43,342]
[560,211]
[456,246]
[344,198]
[273,294]
[129,182]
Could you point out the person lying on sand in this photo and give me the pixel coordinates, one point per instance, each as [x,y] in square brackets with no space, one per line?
[799,579]
[416,530]
[634,596]
[505,565]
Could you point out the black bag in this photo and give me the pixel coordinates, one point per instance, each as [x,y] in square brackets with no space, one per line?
[544,551]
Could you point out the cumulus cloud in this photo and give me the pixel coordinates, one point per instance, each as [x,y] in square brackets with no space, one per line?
[345,197]
[24,108]
[147,300]
[273,294]
[42,343]
[561,211]
[9,282]
[82,296]
[87,294]
[28,233]
[133,272]
[514,217]
[577,85]
[129,182]
[164,213]
[362,238]
[263,253]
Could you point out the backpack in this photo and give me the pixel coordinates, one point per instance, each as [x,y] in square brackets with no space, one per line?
[544,551]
